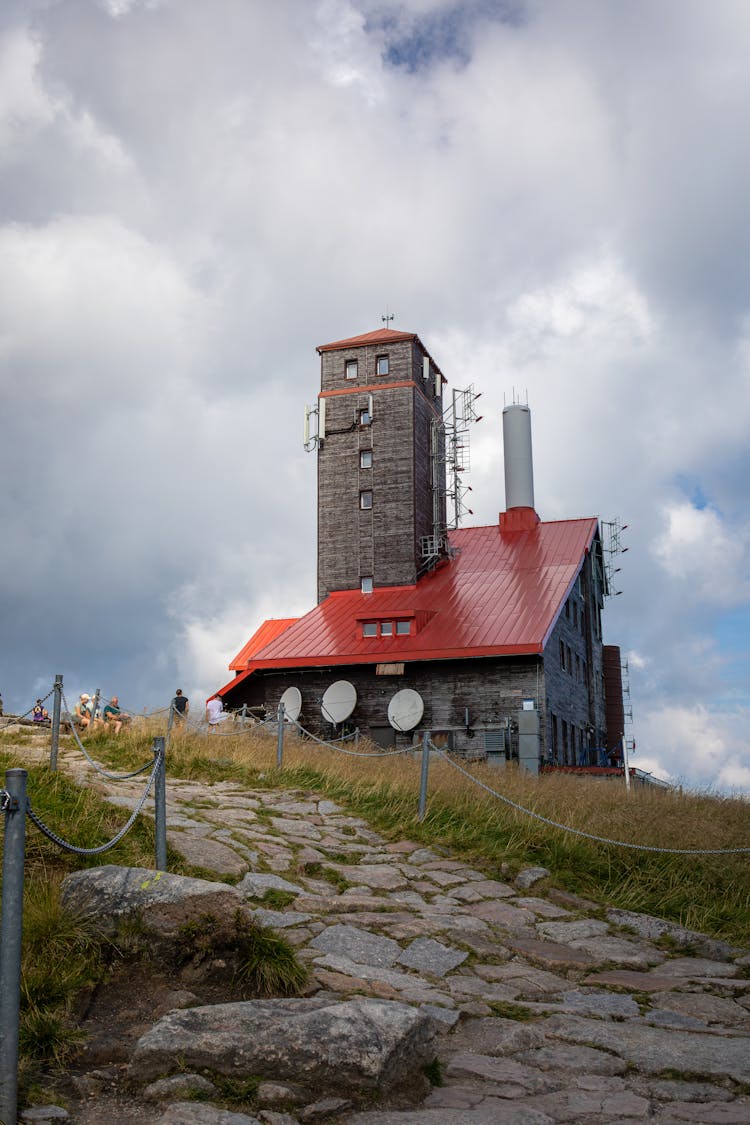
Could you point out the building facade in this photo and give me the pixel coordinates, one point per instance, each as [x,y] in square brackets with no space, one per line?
[498,630]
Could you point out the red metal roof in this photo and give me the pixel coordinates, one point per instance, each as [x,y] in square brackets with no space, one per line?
[267,632]
[379,336]
[500,595]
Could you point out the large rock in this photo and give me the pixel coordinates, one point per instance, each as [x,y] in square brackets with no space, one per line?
[164,902]
[350,1045]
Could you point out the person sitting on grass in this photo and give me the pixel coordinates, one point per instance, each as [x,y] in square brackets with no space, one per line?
[82,711]
[40,714]
[113,716]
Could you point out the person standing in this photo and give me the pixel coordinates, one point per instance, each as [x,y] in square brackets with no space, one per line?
[214,708]
[180,704]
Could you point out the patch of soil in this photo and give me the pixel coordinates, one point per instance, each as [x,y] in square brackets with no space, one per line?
[95,1088]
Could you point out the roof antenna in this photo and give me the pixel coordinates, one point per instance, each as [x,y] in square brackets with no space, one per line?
[388,317]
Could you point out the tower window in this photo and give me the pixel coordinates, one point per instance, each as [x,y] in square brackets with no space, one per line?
[365,459]
[351,369]
[381,365]
[365,499]
[364,417]
[365,584]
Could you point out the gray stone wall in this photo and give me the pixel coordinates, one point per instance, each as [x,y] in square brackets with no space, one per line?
[492,690]
[382,542]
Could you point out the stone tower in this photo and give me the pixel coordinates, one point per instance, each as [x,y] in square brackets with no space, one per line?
[381,475]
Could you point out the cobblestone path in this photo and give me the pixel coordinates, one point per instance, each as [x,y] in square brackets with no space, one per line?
[551,1008]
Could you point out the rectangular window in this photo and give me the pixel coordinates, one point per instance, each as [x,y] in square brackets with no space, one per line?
[364,417]
[562,655]
[365,584]
[386,628]
[403,628]
[351,369]
[365,500]
[365,458]
[381,365]
[370,629]
[575,615]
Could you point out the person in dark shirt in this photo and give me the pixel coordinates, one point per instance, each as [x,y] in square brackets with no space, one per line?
[180,704]
[114,716]
[40,714]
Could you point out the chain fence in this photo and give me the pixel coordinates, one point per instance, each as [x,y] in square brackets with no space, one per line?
[579,831]
[68,847]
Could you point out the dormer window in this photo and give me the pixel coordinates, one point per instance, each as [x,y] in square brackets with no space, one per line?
[403,628]
[350,369]
[370,629]
[386,628]
[381,365]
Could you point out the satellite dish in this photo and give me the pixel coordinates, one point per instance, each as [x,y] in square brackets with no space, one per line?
[339,700]
[292,700]
[405,709]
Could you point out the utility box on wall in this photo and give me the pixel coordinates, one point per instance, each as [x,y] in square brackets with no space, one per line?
[528,740]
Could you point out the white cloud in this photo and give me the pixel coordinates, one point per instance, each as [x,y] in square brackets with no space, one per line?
[710,558]
[195,195]
[695,745]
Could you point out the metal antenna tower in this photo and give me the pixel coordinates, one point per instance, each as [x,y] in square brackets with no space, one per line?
[612,547]
[449,454]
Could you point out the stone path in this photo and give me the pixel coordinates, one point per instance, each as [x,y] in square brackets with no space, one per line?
[551,1008]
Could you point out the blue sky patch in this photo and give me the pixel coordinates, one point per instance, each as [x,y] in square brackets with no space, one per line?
[437,36]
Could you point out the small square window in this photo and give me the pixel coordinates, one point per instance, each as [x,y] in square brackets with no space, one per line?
[364,417]
[365,459]
[365,500]
[403,628]
[365,584]
[351,369]
[386,628]
[370,629]
[381,365]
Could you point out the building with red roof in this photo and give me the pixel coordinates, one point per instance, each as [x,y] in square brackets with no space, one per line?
[488,637]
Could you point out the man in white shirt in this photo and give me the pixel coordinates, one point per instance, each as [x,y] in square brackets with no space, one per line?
[214,708]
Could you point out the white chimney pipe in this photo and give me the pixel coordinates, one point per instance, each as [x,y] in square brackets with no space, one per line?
[519,466]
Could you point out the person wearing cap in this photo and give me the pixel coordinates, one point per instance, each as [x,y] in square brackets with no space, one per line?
[82,711]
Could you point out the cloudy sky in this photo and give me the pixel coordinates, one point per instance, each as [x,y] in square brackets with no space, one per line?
[552,193]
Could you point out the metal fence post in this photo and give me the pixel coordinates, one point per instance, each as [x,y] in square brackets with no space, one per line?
[56,706]
[626,762]
[95,705]
[280,736]
[160,803]
[356,739]
[170,722]
[244,715]
[423,777]
[10,941]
